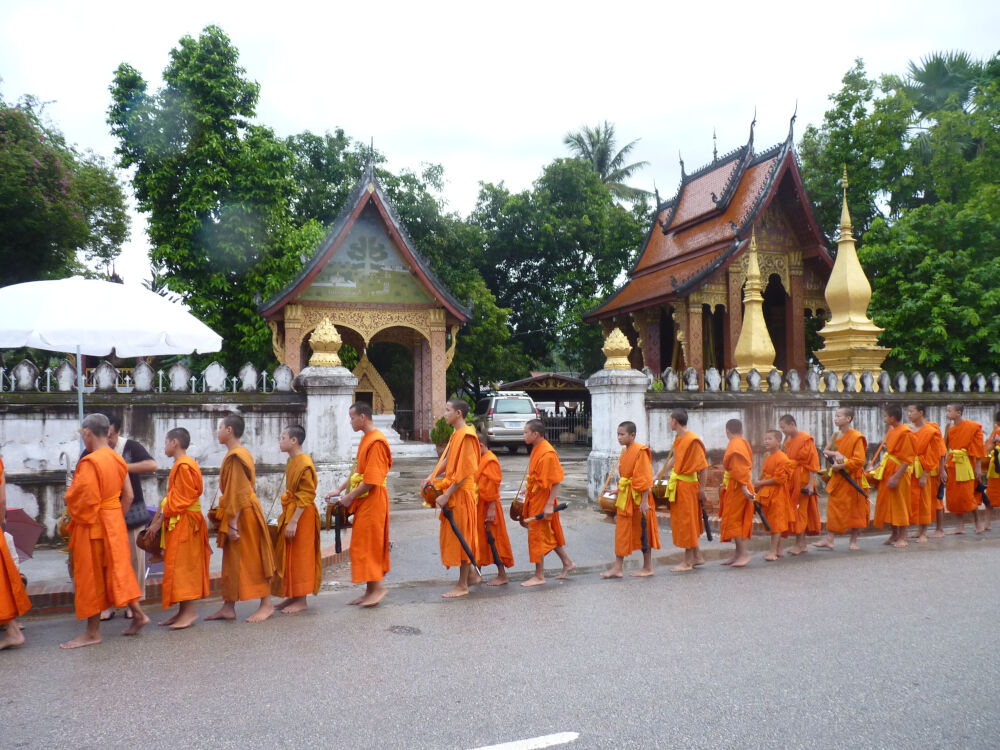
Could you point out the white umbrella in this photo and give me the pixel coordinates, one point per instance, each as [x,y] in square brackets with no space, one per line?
[93,317]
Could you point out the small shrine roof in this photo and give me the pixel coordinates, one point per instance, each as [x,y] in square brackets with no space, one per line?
[708,223]
[368,191]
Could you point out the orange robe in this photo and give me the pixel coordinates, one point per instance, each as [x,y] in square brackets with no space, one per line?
[102,556]
[961,495]
[544,471]
[370,532]
[463,461]
[247,563]
[846,508]
[801,450]
[299,565]
[935,474]
[488,479]
[990,466]
[185,535]
[892,506]
[636,466]
[735,510]
[14,600]
[685,512]
[774,498]
[926,446]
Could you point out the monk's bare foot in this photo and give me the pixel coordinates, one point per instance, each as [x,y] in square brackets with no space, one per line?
[729,560]
[915,535]
[184,622]
[567,569]
[740,561]
[357,601]
[921,538]
[823,545]
[373,598]
[264,611]
[682,568]
[642,573]
[500,580]
[936,534]
[474,578]
[169,620]
[956,530]
[13,639]
[296,604]
[781,553]
[770,557]
[900,543]
[226,612]
[980,529]
[615,572]
[82,640]
[456,592]
[699,560]
[138,623]
[534,581]
[854,547]
[890,540]
[284,603]
[796,550]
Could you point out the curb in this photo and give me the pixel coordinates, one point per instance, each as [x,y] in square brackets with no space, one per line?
[55,598]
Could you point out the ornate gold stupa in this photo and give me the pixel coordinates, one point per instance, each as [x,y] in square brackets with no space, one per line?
[616,350]
[325,342]
[754,348]
[850,336]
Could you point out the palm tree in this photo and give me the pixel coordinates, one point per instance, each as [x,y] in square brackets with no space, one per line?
[942,80]
[597,145]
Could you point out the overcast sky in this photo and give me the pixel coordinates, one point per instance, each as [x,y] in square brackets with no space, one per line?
[488,90]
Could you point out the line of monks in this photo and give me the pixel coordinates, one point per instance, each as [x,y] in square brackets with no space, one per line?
[260,561]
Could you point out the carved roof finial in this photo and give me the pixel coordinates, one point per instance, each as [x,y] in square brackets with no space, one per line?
[753,124]
[681,160]
[715,147]
[791,123]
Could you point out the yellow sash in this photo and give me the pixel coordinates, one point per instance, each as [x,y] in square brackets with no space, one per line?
[918,469]
[991,472]
[194,507]
[625,491]
[674,479]
[880,471]
[963,467]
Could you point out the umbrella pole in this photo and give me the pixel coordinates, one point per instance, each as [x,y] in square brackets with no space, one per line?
[79,391]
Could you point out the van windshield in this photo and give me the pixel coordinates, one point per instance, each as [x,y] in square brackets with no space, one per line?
[513,406]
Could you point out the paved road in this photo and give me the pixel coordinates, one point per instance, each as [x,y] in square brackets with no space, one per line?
[881,648]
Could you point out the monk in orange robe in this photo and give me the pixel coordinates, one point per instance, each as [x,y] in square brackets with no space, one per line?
[368,499]
[846,509]
[736,498]
[298,557]
[14,600]
[458,493]
[686,491]
[489,513]
[929,448]
[772,491]
[184,532]
[801,451]
[545,474]
[247,556]
[102,561]
[635,469]
[991,466]
[963,467]
[892,504]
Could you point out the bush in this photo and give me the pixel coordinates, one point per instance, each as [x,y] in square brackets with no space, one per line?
[441,432]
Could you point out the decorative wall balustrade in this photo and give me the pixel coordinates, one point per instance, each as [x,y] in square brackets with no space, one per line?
[813,381]
[26,377]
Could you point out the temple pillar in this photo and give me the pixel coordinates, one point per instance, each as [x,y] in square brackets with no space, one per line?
[426,399]
[439,363]
[617,394]
[734,313]
[293,337]
[651,355]
[696,345]
[795,322]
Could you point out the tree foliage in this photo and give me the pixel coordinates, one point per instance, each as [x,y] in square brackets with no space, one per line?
[596,145]
[60,209]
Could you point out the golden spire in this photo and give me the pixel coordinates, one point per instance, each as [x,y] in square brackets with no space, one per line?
[850,337]
[325,342]
[754,349]
[616,350]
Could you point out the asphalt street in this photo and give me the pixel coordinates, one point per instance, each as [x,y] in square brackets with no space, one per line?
[877,648]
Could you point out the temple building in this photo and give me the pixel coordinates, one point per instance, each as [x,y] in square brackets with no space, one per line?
[682,305]
[370,281]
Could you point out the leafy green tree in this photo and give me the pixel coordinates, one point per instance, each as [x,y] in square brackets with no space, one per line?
[597,146]
[552,253]
[60,208]
[217,188]
[942,81]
